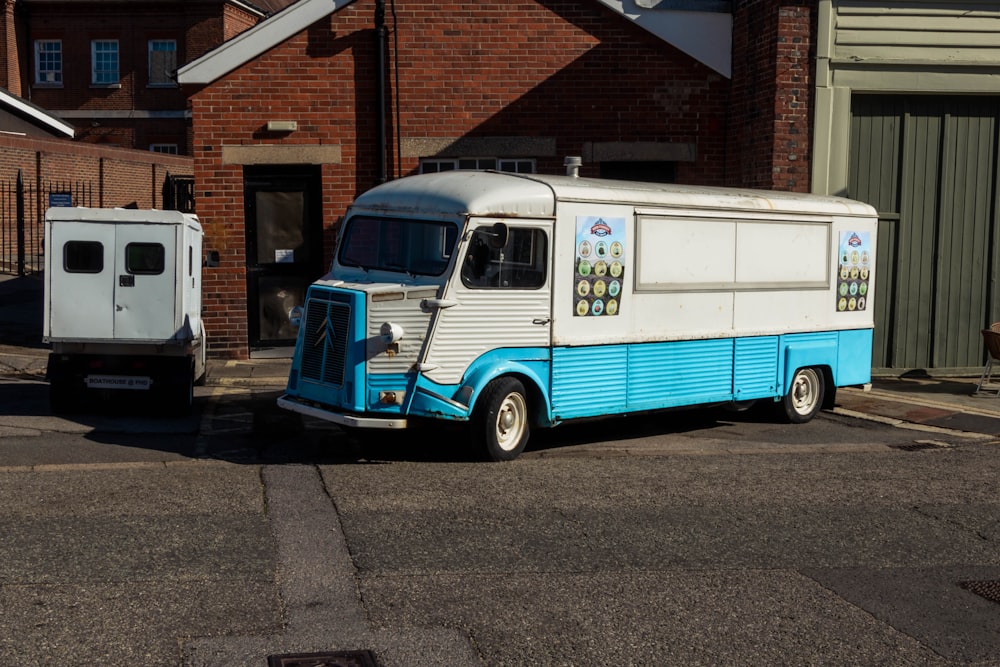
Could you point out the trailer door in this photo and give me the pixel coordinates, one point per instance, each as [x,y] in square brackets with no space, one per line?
[81,287]
[146,288]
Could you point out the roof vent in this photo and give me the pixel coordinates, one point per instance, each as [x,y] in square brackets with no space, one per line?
[572,164]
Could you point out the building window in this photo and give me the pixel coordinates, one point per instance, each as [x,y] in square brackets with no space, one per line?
[164,148]
[48,61]
[517,166]
[104,62]
[162,62]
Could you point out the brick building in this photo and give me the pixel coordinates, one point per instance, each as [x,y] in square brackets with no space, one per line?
[108,66]
[293,119]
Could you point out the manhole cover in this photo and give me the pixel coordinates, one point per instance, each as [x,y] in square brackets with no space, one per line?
[989,590]
[334,659]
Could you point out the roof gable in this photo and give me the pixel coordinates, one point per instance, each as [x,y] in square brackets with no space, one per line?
[705,35]
[261,38]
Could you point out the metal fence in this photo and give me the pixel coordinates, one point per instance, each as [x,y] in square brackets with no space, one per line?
[23,203]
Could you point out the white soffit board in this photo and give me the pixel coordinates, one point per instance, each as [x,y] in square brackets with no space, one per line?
[262,37]
[705,36]
[46,119]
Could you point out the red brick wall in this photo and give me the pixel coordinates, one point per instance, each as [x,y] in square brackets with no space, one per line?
[198,27]
[10,71]
[110,177]
[770,121]
[555,68]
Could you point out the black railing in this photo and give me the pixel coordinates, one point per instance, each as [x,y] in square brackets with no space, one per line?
[22,214]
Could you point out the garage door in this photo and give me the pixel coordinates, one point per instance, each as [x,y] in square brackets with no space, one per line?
[929,165]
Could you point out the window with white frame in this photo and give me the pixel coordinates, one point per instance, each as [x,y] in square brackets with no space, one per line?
[48,61]
[164,148]
[517,166]
[162,62]
[104,62]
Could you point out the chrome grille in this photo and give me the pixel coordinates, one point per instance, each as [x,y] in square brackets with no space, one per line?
[324,348]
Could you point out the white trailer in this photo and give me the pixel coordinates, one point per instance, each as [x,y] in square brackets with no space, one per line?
[517,301]
[123,305]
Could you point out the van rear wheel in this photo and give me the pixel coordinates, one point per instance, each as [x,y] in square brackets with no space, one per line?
[500,420]
[805,395]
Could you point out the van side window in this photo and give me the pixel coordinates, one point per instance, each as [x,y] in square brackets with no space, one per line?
[144,258]
[83,257]
[519,264]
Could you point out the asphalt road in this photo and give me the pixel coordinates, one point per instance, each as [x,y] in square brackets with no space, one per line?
[240,533]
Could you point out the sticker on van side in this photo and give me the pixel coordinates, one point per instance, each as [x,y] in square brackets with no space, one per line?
[599,268]
[854,271]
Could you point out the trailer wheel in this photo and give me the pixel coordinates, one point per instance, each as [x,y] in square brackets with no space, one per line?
[805,396]
[500,420]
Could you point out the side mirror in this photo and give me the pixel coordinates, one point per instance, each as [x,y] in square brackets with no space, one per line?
[498,236]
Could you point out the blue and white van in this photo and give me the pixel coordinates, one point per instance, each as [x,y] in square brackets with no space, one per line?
[513,302]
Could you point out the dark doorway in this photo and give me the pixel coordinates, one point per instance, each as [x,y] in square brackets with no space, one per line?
[284,251]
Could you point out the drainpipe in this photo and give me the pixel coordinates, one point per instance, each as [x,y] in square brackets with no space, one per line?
[380,48]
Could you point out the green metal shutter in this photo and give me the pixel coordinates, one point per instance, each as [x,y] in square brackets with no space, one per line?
[929,165]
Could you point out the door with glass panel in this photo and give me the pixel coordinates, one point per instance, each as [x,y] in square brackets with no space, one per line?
[284,251]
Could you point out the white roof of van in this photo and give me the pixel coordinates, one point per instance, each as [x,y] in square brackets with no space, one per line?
[140,216]
[525,195]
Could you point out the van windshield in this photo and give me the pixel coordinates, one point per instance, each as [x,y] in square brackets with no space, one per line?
[417,247]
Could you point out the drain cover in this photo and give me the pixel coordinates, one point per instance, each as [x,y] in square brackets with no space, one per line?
[984,589]
[920,445]
[335,659]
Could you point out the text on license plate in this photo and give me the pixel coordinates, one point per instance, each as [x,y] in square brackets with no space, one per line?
[118,382]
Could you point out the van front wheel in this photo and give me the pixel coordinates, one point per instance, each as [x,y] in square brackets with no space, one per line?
[500,419]
[805,395]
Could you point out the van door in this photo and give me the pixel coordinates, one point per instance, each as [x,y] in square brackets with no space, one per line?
[499,297]
[146,282]
[81,301]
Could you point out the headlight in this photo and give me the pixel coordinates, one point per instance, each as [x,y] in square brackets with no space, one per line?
[295,316]
[390,333]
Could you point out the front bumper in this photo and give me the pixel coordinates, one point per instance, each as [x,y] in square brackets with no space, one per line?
[344,419]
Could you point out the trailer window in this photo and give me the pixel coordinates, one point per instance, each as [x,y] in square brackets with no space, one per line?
[519,264]
[144,258]
[83,257]
[417,247]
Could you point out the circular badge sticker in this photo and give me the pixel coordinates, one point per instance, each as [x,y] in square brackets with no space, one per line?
[612,307]
[852,304]
[843,289]
[601,268]
[616,269]
[582,308]
[602,249]
[583,268]
[583,288]
[585,249]
[597,308]
[854,289]
[616,251]
[600,288]
[614,288]
[863,289]
[843,273]
[842,304]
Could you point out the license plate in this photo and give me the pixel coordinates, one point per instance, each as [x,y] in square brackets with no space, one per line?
[118,382]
